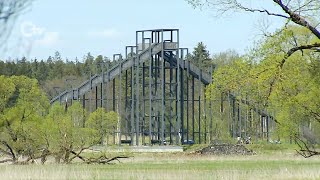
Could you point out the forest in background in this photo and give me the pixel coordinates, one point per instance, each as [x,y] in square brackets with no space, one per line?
[279,75]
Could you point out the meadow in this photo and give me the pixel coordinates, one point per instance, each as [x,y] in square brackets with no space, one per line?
[266,164]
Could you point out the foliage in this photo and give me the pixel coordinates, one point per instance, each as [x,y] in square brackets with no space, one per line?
[20,117]
[55,74]
[290,92]
[201,57]
[30,129]
[65,134]
[103,122]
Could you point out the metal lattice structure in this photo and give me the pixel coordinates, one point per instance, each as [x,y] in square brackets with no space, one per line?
[157,92]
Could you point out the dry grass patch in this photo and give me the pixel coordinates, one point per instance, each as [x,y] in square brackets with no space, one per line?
[178,166]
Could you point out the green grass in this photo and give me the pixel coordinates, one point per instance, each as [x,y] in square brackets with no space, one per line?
[277,165]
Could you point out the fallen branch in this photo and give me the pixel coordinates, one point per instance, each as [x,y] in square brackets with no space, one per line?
[100,160]
[305,151]
[105,160]
[11,153]
[77,155]
[6,160]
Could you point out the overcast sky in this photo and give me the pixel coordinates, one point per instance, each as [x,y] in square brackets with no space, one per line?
[76,27]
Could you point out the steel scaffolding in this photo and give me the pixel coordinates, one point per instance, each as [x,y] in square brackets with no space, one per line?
[158,94]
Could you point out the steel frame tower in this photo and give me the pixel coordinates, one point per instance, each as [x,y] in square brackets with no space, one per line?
[157,92]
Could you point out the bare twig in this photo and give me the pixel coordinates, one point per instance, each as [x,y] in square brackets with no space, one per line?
[298,19]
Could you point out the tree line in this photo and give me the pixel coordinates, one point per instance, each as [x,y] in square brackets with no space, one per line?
[281,73]
[31,129]
[54,67]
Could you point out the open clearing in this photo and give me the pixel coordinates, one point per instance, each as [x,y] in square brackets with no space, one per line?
[272,165]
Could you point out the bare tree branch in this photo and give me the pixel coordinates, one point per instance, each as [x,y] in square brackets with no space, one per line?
[293,14]
[262,11]
[299,48]
[298,19]
[6,160]
[11,8]
[9,11]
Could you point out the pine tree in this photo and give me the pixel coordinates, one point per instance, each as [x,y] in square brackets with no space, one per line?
[201,57]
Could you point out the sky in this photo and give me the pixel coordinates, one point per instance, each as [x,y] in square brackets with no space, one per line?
[105,27]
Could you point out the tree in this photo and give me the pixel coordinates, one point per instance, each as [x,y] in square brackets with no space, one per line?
[224,58]
[67,139]
[88,65]
[58,68]
[304,13]
[103,122]
[99,64]
[201,57]
[23,68]
[290,93]
[65,134]
[42,72]
[22,109]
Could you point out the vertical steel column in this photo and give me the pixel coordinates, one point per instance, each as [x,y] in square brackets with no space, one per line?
[187,83]
[156,113]
[119,99]
[205,118]
[137,92]
[181,105]
[180,90]
[90,93]
[150,96]
[126,104]
[114,94]
[101,95]
[84,101]
[132,97]
[83,107]
[162,88]
[96,92]
[177,105]
[158,94]
[188,100]
[143,104]
[267,127]
[144,98]
[211,109]
[262,129]
[102,85]
[171,101]
[192,99]
[199,104]
[211,116]
[107,87]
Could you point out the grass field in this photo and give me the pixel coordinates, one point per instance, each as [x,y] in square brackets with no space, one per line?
[280,164]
